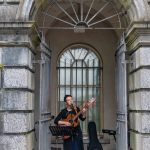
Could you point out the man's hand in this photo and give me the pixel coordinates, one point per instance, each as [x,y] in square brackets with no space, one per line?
[68,124]
[64,123]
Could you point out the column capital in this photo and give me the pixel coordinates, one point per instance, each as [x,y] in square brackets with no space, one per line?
[138,35]
[19,33]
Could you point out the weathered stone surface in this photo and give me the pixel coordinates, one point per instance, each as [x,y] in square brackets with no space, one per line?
[135,141]
[140,58]
[8,12]
[13,37]
[140,122]
[16,142]
[139,142]
[17,122]
[16,100]
[146,143]
[16,56]
[13,1]
[139,100]
[139,79]
[18,78]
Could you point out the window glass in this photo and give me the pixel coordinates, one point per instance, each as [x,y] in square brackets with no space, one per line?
[79,74]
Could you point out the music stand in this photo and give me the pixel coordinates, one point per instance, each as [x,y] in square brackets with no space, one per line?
[61,130]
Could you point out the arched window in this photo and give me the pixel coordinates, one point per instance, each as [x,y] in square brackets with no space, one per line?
[79,74]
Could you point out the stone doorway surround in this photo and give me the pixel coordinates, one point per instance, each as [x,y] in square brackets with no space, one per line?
[17,50]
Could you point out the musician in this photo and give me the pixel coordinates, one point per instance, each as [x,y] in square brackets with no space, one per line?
[75,141]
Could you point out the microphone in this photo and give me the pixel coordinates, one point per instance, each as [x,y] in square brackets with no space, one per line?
[73,107]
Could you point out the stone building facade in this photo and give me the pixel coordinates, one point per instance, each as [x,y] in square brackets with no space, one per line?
[28,83]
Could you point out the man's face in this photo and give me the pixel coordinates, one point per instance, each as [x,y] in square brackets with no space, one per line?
[69,100]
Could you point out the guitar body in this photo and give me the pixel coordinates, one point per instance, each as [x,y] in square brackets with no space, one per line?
[74,123]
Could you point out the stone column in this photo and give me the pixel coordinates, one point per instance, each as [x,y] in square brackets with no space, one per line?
[16,86]
[138,42]
[42,97]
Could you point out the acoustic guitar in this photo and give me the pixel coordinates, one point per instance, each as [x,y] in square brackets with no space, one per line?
[73,119]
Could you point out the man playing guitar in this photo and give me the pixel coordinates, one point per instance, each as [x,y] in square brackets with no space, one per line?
[70,116]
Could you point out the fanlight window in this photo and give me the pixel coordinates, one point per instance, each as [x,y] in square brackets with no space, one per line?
[79,74]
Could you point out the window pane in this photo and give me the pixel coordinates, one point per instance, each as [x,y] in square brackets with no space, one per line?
[74,94]
[79,76]
[68,90]
[68,74]
[91,77]
[96,76]
[84,77]
[62,77]
[79,53]
[74,76]
[62,93]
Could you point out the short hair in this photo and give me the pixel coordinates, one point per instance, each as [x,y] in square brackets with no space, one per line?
[66,97]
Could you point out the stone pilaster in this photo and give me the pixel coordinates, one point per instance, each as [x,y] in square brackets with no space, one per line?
[16,86]
[138,44]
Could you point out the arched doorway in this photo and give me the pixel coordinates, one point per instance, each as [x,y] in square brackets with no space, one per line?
[22,29]
[79,71]
[51,35]
[92,26]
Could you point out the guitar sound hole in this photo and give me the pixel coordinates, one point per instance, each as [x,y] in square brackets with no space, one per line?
[71,121]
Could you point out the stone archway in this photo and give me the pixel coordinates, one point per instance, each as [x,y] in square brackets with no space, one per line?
[137,9]
[135,13]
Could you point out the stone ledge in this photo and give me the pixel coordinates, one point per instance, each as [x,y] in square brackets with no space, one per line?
[11,43]
[19,32]
[13,1]
[17,24]
[138,35]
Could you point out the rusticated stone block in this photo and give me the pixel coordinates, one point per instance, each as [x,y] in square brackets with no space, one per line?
[140,58]
[139,100]
[17,122]
[140,122]
[16,142]
[8,12]
[18,78]
[16,56]
[16,100]
[139,142]
[139,79]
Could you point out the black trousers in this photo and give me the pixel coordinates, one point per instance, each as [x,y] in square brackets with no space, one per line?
[75,142]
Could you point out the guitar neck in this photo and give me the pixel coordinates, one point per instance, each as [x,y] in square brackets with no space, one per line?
[87,104]
[77,115]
